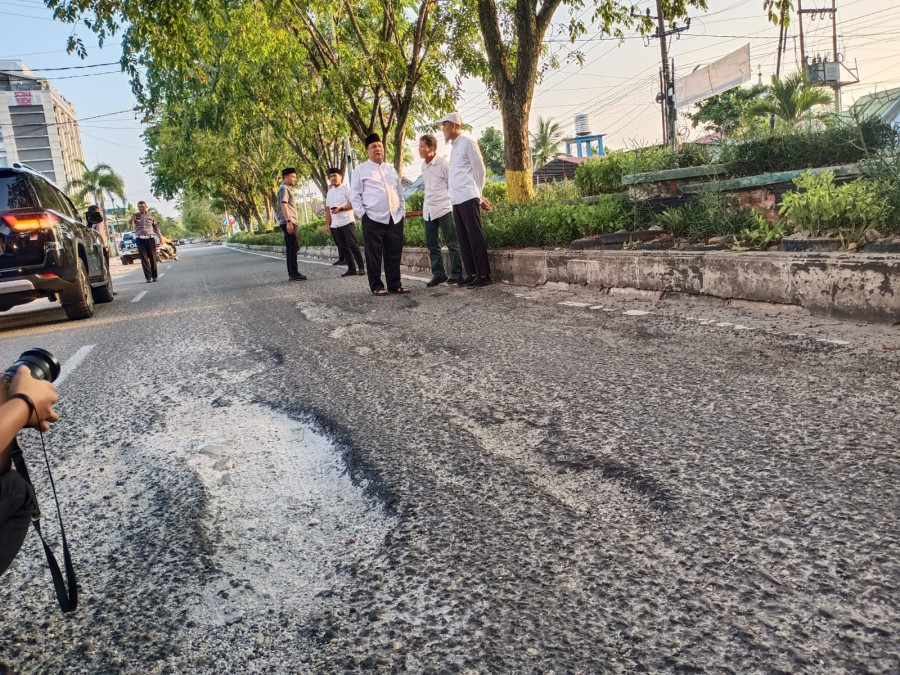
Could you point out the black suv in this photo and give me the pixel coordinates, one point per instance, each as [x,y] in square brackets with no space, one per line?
[46,251]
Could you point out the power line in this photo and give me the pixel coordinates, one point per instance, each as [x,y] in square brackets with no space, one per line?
[28,70]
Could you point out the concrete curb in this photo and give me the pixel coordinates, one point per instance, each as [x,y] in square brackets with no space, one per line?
[859,286]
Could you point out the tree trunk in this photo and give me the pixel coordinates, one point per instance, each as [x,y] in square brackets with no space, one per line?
[514,82]
[517,151]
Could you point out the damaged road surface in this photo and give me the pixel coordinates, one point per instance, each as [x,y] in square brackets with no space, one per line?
[260,476]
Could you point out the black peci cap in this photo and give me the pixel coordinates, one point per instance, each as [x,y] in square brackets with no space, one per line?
[288,171]
[372,138]
[331,171]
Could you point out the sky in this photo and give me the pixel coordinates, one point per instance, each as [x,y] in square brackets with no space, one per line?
[616,86]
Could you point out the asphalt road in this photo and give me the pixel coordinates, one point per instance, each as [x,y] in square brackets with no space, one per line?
[275,477]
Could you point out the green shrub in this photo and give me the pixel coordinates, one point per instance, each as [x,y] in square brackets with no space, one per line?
[495,192]
[820,206]
[561,191]
[415,202]
[762,234]
[413,231]
[884,172]
[800,149]
[603,175]
[710,214]
[308,234]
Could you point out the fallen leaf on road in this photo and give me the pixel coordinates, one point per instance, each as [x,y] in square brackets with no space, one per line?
[890,349]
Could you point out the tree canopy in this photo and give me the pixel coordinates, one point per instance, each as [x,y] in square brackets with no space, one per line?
[234,92]
[726,112]
[491,144]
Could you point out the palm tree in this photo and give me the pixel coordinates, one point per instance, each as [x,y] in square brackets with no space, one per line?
[545,143]
[792,100]
[101,181]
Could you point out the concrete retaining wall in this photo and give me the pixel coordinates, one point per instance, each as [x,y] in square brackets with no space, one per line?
[863,287]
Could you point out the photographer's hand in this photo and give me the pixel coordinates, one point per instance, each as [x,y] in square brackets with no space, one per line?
[41,392]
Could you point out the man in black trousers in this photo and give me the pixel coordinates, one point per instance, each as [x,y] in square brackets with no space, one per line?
[340,223]
[146,233]
[286,213]
[377,198]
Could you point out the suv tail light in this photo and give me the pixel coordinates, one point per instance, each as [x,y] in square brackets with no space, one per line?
[29,222]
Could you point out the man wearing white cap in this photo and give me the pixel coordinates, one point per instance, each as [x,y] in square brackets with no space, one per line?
[466,180]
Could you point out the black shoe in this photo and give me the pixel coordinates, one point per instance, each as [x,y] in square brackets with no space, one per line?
[299,277]
[453,281]
[467,281]
[481,281]
[435,281]
[361,272]
[148,281]
[350,273]
[154,279]
[339,262]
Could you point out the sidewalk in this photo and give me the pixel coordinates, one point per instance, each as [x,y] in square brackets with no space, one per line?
[857,286]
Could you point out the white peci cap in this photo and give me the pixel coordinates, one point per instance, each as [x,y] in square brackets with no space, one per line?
[454,117]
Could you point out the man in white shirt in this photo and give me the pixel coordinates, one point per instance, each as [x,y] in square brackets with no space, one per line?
[377,198]
[466,181]
[437,212]
[340,223]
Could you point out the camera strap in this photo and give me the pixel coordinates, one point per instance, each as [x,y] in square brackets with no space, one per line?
[66,591]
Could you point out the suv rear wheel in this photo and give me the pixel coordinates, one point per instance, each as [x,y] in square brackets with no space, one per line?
[82,304]
[104,293]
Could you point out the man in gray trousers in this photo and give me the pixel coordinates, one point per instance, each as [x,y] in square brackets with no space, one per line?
[437,212]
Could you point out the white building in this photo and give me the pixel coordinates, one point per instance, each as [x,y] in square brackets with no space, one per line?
[38,126]
[883,104]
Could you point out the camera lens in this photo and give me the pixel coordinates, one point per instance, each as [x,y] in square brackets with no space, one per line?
[42,364]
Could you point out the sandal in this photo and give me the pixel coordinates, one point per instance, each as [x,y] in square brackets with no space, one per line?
[379,291]
[399,291]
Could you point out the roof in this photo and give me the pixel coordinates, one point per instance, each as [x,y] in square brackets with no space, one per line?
[884,104]
[561,168]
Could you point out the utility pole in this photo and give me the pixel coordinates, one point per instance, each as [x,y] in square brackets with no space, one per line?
[825,71]
[667,96]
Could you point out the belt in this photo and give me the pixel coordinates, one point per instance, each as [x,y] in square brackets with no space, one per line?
[148,237]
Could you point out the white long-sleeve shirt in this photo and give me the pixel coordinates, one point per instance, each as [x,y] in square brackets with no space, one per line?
[467,171]
[437,189]
[339,196]
[375,191]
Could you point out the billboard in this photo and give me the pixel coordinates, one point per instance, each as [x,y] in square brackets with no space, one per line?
[16,98]
[726,73]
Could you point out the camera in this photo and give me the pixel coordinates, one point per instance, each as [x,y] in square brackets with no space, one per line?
[18,506]
[42,364]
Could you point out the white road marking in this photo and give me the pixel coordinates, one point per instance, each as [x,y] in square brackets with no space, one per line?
[168,267]
[595,308]
[274,257]
[161,275]
[724,324]
[741,327]
[635,312]
[410,276]
[72,363]
[140,295]
[572,303]
[843,343]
